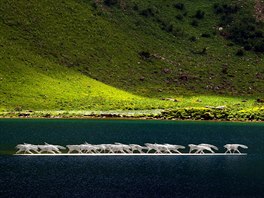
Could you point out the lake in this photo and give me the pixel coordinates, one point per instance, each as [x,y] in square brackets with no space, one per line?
[131,176]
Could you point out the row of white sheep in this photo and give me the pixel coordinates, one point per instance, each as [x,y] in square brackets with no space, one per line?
[124,148]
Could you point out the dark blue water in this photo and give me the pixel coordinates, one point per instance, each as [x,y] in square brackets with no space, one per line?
[131,176]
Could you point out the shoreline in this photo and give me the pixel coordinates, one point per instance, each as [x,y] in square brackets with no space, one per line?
[111,116]
[216,114]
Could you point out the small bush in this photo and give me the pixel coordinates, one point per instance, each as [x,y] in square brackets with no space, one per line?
[247,47]
[179,6]
[206,35]
[179,17]
[225,69]
[199,14]
[110,2]
[240,52]
[169,28]
[204,51]
[225,9]
[245,31]
[226,19]
[218,9]
[144,55]
[193,38]
[230,44]
[135,7]
[259,34]
[177,31]
[174,29]
[240,28]
[259,46]
[94,5]
[18,108]
[147,12]
[194,23]
[230,9]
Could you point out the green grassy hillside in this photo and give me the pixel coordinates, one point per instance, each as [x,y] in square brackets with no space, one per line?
[129,54]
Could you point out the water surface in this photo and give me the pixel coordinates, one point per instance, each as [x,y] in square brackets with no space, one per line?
[131,176]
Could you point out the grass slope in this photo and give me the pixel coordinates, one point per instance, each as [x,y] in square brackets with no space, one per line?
[39,84]
[77,54]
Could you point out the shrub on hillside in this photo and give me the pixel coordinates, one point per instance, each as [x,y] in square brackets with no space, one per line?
[230,44]
[240,27]
[148,12]
[110,2]
[145,55]
[224,8]
[18,108]
[226,19]
[194,23]
[206,35]
[240,52]
[193,38]
[179,6]
[174,29]
[218,8]
[247,33]
[169,27]
[135,7]
[201,113]
[179,17]
[178,31]
[199,14]
[94,5]
[247,47]
[259,46]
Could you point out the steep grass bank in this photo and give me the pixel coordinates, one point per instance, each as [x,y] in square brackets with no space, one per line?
[87,55]
[106,43]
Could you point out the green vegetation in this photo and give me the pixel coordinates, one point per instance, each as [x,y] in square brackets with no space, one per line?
[226,114]
[81,55]
[241,26]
